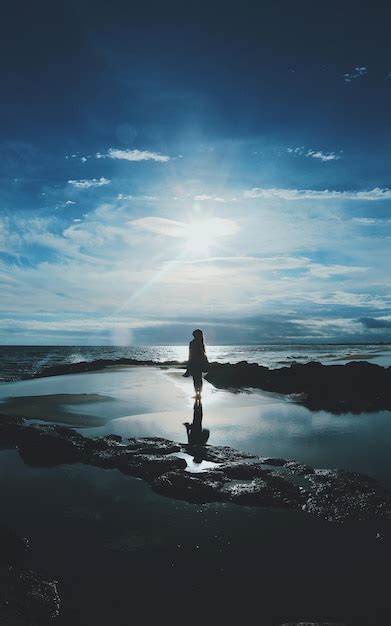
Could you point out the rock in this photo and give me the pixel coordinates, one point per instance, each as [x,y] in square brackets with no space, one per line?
[10,430]
[149,465]
[355,387]
[269,491]
[47,446]
[338,496]
[26,599]
[220,454]
[189,487]
[301,469]
[267,460]
[152,445]
[243,470]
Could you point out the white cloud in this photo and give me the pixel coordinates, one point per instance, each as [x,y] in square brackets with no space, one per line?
[358,72]
[314,154]
[122,196]
[310,194]
[204,197]
[369,221]
[350,299]
[323,156]
[136,155]
[256,263]
[163,226]
[325,271]
[87,184]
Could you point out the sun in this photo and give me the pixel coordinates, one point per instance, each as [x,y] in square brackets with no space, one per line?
[202,236]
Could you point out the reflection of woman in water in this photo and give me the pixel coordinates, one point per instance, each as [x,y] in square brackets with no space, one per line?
[198,361]
[196,435]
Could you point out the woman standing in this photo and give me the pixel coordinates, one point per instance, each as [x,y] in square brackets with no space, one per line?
[198,361]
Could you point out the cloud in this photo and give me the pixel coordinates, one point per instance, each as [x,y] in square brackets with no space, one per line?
[136,155]
[323,156]
[325,271]
[122,196]
[256,263]
[159,226]
[350,299]
[314,154]
[204,197]
[369,221]
[87,184]
[375,322]
[172,228]
[310,194]
[358,72]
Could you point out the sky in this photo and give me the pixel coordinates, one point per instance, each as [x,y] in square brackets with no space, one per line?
[172,165]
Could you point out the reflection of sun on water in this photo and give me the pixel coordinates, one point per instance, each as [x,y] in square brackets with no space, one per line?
[201,236]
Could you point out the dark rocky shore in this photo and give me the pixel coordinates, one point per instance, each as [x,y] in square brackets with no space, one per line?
[26,599]
[355,387]
[240,478]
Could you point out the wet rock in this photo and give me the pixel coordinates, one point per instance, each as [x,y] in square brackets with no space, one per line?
[338,496]
[26,599]
[189,487]
[270,491]
[47,446]
[149,465]
[96,365]
[269,460]
[10,430]
[152,445]
[221,454]
[355,387]
[300,469]
[244,470]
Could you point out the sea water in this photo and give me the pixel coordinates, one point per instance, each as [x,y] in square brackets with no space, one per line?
[23,361]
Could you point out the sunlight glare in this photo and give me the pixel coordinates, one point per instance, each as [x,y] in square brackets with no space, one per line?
[201,236]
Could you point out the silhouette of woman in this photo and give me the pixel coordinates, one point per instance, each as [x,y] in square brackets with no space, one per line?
[198,361]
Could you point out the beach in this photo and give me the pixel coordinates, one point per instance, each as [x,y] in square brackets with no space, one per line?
[125,542]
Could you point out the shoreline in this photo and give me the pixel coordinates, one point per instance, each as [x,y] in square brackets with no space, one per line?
[355,386]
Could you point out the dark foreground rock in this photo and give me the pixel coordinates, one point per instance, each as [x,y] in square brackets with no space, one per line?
[237,477]
[26,599]
[338,495]
[356,387]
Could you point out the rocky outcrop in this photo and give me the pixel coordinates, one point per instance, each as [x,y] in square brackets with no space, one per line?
[356,387]
[26,599]
[237,477]
[96,365]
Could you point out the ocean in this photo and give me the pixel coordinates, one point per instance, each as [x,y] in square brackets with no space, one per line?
[26,361]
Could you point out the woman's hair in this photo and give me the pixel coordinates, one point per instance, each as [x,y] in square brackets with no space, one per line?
[199,336]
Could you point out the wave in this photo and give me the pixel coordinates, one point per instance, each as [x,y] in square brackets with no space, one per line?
[80,367]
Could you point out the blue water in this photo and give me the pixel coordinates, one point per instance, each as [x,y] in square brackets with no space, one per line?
[18,361]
